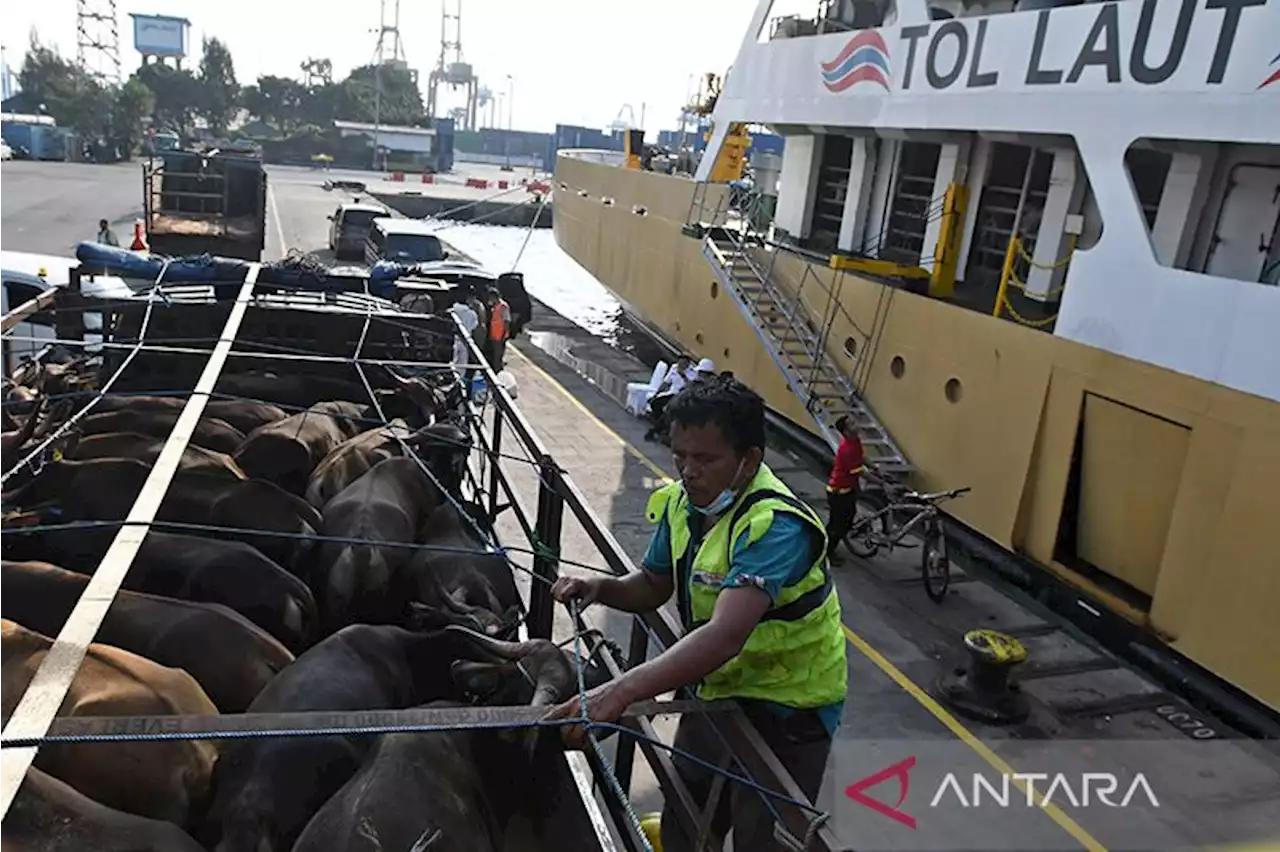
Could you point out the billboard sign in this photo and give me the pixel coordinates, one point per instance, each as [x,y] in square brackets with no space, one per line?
[160,35]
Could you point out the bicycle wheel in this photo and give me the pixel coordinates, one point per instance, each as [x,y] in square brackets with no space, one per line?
[935,564]
[861,538]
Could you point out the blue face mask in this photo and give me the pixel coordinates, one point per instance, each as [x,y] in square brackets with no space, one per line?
[723,500]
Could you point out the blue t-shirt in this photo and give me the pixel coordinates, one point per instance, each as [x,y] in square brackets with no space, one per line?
[778,558]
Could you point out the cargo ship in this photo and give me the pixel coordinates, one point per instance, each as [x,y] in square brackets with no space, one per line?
[1031,248]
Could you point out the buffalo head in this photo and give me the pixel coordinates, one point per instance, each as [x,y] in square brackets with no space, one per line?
[453,610]
[536,672]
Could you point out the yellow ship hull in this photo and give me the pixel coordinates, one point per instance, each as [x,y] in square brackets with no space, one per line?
[1161,484]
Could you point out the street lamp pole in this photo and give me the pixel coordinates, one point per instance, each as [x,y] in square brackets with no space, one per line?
[511,103]
[377,110]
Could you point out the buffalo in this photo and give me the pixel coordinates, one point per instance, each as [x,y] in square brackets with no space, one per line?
[160,780]
[229,656]
[456,573]
[467,786]
[210,433]
[103,489]
[192,568]
[242,414]
[352,459]
[287,451]
[355,582]
[48,815]
[268,789]
[147,448]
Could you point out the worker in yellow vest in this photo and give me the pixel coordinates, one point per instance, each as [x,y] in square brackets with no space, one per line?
[747,563]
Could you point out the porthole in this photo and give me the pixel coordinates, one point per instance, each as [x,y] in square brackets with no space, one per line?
[715,289]
[954,390]
[726,352]
[698,337]
[898,367]
[850,347]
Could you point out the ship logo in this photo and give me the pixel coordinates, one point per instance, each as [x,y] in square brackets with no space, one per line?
[1275,75]
[864,59]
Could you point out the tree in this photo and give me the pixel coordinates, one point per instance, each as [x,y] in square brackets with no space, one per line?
[176,94]
[61,89]
[134,104]
[219,94]
[278,101]
[400,102]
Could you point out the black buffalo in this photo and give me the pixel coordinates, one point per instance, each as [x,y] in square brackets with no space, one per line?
[230,657]
[48,815]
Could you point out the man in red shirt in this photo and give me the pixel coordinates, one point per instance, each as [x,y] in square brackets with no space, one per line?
[842,486]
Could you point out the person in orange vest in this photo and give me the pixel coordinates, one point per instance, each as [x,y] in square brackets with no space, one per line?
[499,329]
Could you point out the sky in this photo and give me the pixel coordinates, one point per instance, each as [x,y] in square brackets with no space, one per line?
[572,61]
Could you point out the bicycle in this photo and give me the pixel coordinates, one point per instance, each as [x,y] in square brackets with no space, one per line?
[935,565]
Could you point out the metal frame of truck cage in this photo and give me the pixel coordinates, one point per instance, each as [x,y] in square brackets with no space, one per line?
[252,321]
[159,201]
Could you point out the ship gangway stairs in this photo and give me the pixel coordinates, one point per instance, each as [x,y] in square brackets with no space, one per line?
[734,248]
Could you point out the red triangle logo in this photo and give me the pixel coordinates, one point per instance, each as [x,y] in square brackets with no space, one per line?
[901,771]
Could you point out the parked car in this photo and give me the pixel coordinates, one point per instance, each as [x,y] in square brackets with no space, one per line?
[407,241]
[349,227]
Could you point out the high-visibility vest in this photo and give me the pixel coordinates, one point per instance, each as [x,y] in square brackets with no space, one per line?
[796,654]
[499,318]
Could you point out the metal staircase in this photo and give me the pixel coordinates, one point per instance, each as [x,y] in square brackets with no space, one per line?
[797,347]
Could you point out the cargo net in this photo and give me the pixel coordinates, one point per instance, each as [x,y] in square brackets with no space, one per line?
[252,551]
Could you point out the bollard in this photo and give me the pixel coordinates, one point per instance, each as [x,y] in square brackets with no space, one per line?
[502,184]
[428,178]
[982,689]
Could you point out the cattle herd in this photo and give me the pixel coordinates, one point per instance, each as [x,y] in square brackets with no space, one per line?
[313,553]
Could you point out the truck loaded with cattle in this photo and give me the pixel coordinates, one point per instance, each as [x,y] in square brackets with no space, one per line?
[320,547]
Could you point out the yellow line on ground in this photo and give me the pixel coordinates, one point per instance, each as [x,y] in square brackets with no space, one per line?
[1065,822]
[639,456]
[963,734]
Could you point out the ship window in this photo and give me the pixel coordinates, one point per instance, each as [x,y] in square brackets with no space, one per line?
[698,337]
[1210,209]
[715,289]
[953,390]
[1148,170]
[898,367]
[850,347]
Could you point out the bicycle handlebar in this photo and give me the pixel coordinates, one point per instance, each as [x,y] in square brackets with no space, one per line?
[936,496]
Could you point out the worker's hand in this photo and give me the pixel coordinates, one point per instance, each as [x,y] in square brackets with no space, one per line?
[584,589]
[605,703]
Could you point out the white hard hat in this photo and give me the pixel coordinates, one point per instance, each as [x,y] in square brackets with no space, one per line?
[706,365]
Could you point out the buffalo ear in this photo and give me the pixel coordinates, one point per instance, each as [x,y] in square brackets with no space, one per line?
[511,622]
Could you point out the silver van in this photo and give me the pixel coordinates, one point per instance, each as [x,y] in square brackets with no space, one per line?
[406,241]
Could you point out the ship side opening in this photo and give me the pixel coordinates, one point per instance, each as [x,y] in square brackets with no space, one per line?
[988,222]
[1122,485]
[1210,208]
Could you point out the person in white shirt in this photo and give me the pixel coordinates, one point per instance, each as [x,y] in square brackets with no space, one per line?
[677,377]
[468,320]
